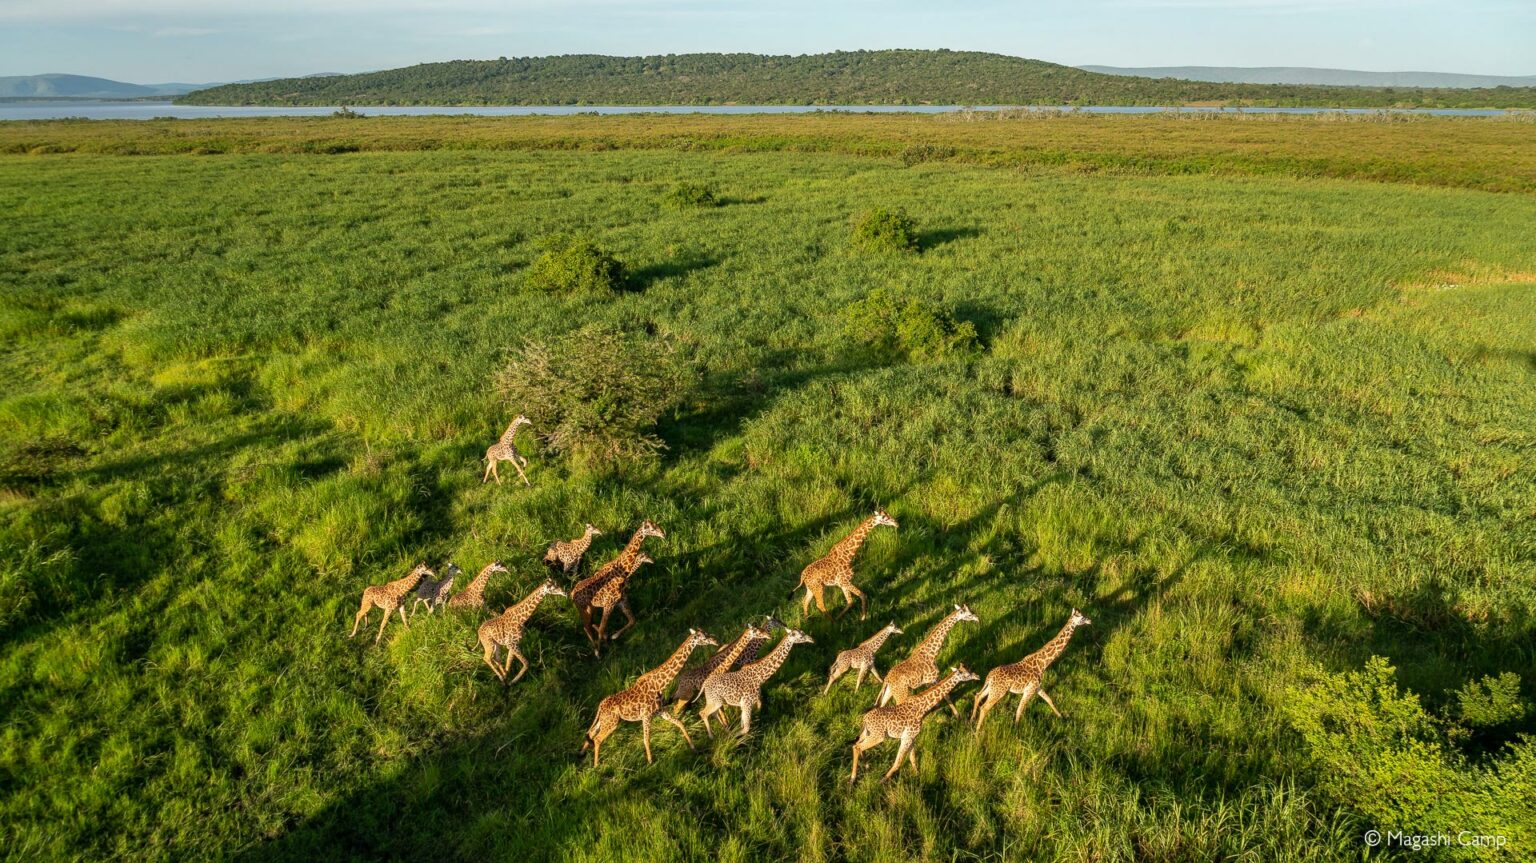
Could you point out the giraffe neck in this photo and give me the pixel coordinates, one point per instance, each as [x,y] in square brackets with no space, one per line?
[935,637]
[930,698]
[850,544]
[727,656]
[657,679]
[519,614]
[476,588]
[631,549]
[581,545]
[874,642]
[401,586]
[1053,648]
[509,434]
[764,668]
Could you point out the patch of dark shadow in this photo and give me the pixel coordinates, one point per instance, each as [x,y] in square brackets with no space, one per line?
[37,462]
[940,236]
[740,200]
[641,278]
[987,321]
[1527,359]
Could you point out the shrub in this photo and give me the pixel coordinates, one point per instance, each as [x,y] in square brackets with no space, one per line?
[916,154]
[685,196]
[597,393]
[1491,701]
[575,265]
[884,231]
[906,326]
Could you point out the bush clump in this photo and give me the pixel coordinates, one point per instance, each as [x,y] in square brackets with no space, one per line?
[884,231]
[575,265]
[686,196]
[906,326]
[597,393]
[916,154]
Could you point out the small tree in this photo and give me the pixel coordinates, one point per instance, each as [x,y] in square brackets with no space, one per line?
[906,326]
[685,196]
[575,265]
[597,393]
[883,231]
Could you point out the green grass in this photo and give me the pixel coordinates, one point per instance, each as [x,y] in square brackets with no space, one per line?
[1260,428]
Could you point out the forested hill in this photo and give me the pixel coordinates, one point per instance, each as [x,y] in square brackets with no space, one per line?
[905,77]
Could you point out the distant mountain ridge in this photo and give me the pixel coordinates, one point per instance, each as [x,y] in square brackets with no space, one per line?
[895,77]
[63,86]
[1315,76]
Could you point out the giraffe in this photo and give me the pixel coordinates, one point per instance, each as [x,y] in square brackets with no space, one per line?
[587,588]
[1022,678]
[473,596]
[861,658]
[836,570]
[770,625]
[743,689]
[566,555]
[505,450]
[615,594]
[390,598]
[432,593]
[642,701]
[919,668]
[904,721]
[506,630]
[690,680]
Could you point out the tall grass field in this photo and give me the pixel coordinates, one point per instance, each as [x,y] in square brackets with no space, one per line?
[1258,396]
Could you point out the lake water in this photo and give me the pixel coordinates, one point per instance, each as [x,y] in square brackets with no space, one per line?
[151,110]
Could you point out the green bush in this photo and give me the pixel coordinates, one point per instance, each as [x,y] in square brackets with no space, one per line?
[916,154]
[909,327]
[884,231]
[575,265]
[597,393]
[685,196]
[1490,701]
[1378,751]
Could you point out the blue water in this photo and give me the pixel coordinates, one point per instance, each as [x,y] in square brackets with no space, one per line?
[152,110]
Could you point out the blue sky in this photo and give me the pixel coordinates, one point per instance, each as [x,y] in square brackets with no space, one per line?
[152,41]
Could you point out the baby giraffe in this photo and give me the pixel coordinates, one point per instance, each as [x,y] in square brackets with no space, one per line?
[642,701]
[390,597]
[434,593]
[904,721]
[565,555]
[690,680]
[743,688]
[615,594]
[473,596]
[506,631]
[504,450]
[1022,678]
[919,669]
[836,568]
[861,658]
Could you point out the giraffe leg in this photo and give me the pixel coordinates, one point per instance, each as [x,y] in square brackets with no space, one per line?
[873,669]
[586,621]
[976,705]
[489,466]
[358,621]
[901,755]
[821,606]
[667,715]
[511,652]
[382,624]
[645,733]
[602,624]
[406,623]
[1024,697]
[865,741]
[912,758]
[805,607]
[952,708]
[624,607]
[520,471]
[1051,704]
[986,705]
[839,668]
[711,706]
[495,472]
[605,727]
[490,658]
[746,719]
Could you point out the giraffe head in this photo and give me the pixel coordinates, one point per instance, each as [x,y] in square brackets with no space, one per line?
[496,566]
[592,531]
[754,632]
[771,623]
[551,588]
[1079,619]
[892,629]
[519,420]
[423,570]
[641,558]
[451,570]
[700,638]
[883,517]
[962,674]
[649,528]
[795,636]
[963,612]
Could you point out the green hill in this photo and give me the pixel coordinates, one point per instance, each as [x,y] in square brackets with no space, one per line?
[905,77]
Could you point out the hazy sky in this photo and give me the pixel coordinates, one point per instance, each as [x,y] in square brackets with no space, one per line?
[153,41]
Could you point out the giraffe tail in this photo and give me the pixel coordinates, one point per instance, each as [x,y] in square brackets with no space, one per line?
[797,586]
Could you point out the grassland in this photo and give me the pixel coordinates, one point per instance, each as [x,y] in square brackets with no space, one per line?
[1255,395]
